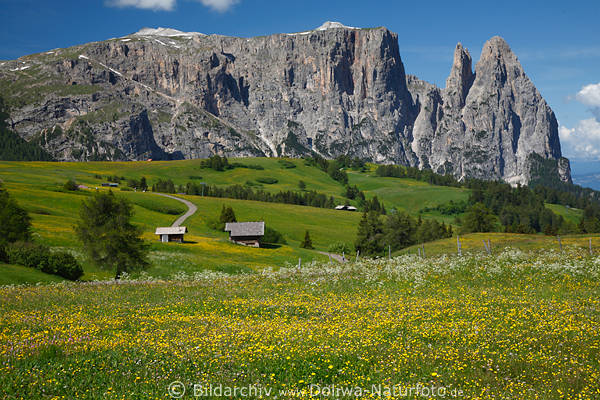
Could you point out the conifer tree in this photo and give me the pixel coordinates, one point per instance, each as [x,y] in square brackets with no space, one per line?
[307,242]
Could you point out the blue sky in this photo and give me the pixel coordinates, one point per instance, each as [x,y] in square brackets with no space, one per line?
[558,42]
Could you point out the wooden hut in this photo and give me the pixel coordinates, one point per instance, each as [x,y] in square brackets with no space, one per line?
[171,234]
[246,233]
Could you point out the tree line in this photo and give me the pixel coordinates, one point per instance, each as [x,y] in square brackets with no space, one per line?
[378,233]
[518,209]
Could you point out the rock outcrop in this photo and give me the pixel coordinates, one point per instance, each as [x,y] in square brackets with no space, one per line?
[334,91]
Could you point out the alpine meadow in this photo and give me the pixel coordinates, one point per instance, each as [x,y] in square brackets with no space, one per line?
[337,212]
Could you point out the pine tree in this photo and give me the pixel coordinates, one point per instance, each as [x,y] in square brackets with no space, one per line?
[369,238]
[227,215]
[307,242]
[108,236]
[143,183]
[15,223]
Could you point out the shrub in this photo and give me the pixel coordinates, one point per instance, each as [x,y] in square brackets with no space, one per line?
[339,248]
[70,185]
[65,265]
[33,255]
[195,177]
[29,254]
[267,180]
[126,189]
[286,164]
[273,236]
[250,183]
[256,166]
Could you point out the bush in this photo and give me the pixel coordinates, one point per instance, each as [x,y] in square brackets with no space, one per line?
[33,255]
[195,177]
[28,254]
[339,248]
[250,183]
[126,189]
[267,180]
[65,265]
[286,164]
[272,236]
[256,166]
[70,185]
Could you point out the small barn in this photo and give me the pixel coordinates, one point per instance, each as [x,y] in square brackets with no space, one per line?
[246,233]
[171,234]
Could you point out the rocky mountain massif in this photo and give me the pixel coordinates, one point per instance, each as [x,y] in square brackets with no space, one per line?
[165,94]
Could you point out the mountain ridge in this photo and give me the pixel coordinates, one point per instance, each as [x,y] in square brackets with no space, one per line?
[334,90]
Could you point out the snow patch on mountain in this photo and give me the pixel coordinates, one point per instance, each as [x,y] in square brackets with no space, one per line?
[334,25]
[167,32]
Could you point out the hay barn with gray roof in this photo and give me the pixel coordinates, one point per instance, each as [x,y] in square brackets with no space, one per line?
[246,233]
[171,234]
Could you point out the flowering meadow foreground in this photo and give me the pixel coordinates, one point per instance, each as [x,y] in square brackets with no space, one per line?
[510,326]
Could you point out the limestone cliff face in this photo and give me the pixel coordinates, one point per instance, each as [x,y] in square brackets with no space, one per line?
[334,90]
[491,124]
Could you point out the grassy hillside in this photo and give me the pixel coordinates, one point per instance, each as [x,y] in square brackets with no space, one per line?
[515,325]
[568,213]
[37,186]
[473,242]
[17,275]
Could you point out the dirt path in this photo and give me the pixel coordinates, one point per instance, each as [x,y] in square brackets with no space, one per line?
[191,208]
[334,256]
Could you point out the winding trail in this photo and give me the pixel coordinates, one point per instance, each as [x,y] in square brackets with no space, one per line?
[334,256]
[191,208]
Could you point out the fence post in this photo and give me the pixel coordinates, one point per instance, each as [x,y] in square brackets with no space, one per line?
[458,245]
[357,254]
[299,262]
[490,246]
[591,251]
[419,251]
[559,243]
[329,254]
[487,247]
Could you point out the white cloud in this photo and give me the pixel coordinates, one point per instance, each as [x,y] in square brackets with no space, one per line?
[166,5]
[581,142]
[219,5]
[590,96]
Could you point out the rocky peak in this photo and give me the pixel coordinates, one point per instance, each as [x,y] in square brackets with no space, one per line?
[461,77]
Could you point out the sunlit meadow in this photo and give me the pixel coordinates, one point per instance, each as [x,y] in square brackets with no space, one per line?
[511,326]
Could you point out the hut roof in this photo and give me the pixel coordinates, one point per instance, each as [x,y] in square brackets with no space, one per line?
[245,228]
[171,230]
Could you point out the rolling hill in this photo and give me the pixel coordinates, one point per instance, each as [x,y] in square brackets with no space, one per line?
[38,187]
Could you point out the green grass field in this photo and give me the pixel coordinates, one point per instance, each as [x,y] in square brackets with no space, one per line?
[37,186]
[18,275]
[473,243]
